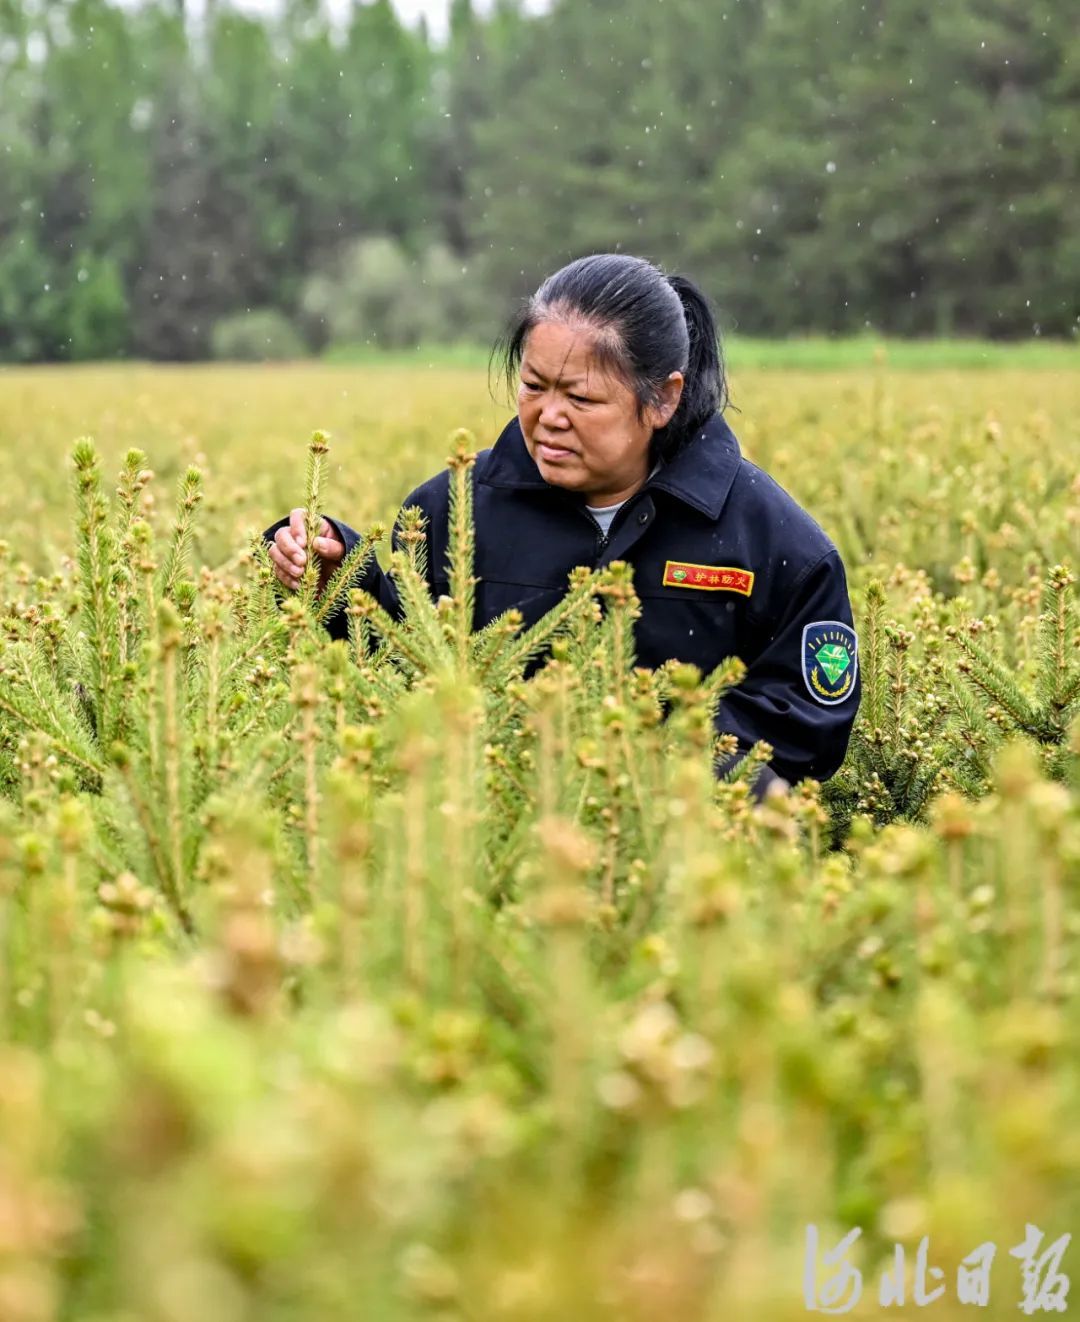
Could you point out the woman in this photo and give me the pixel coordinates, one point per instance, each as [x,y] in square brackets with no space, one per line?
[619,452]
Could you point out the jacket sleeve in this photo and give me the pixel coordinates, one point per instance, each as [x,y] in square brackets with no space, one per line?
[774,702]
[373,579]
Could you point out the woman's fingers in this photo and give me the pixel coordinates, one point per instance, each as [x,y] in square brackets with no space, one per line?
[286,570]
[329,545]
[289,548]
[293,539]
[288,554]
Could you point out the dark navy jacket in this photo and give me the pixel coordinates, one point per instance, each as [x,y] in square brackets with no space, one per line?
[709,510]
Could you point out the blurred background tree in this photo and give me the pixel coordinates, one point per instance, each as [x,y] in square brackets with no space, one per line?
[907,168]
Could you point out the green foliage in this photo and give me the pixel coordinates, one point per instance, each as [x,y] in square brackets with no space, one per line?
[939,700]
[301,936]
[898,750]
[375,294]
[261,335]
[197,170]
[170,694]
[1046,708]
[98,318]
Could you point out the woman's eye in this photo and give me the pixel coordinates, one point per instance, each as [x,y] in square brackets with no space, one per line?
[530,385]
[581,399]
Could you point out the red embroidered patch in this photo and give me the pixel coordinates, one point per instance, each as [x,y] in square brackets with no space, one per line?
[708,578]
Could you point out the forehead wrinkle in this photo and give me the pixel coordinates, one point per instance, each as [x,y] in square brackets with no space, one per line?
[594,337]
[570,381]
[601,337]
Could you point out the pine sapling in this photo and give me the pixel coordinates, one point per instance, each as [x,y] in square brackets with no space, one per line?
[146,568]
[985,672]
[1057,682]
[318,448]
[411,538]
[615,587]
[576,608]
[213,627]
[414,754]
[563,910]
[352,565]
[872,651]
[422,616]
[306,697]
[30,702]
[1045,714]
[365,611]
[351,839]
[462,547]
[461,707]
[492,638]
[896,751]
[133,477]
[97,567]
[175,560]
[170,636]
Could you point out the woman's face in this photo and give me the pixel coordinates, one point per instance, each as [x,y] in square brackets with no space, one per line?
[580,423]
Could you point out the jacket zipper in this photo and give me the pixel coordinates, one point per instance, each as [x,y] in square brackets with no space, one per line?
[601,536]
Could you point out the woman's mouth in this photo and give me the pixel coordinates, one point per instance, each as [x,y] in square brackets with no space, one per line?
[552,453]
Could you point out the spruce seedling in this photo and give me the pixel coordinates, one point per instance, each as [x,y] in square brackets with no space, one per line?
[1045,714]
[897,755]
[462,547]
[318,448]
[97,564]
[189,497]
[335,594]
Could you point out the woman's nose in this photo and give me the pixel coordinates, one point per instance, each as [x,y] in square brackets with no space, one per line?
[552,413]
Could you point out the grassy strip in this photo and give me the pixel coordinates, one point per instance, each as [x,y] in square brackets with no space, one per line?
[808,353]
[811,353]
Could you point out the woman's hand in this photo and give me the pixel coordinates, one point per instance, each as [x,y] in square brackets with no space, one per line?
[289,556]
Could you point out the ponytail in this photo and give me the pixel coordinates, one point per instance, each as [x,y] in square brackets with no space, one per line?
[704,386]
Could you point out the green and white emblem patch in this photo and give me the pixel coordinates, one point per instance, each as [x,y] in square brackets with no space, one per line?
[830,660]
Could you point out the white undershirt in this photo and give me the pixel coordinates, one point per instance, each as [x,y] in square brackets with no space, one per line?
[603,514]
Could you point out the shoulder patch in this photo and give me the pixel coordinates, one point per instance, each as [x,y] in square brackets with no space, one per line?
[830,660]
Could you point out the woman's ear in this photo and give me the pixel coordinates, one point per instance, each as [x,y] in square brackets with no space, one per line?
[670,394]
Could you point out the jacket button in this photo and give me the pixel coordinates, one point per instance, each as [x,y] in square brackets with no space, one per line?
[643,517]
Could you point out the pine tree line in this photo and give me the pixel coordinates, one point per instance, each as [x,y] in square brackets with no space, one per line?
[912,172]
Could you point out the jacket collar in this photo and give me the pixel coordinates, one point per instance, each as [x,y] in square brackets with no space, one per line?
[700,475]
